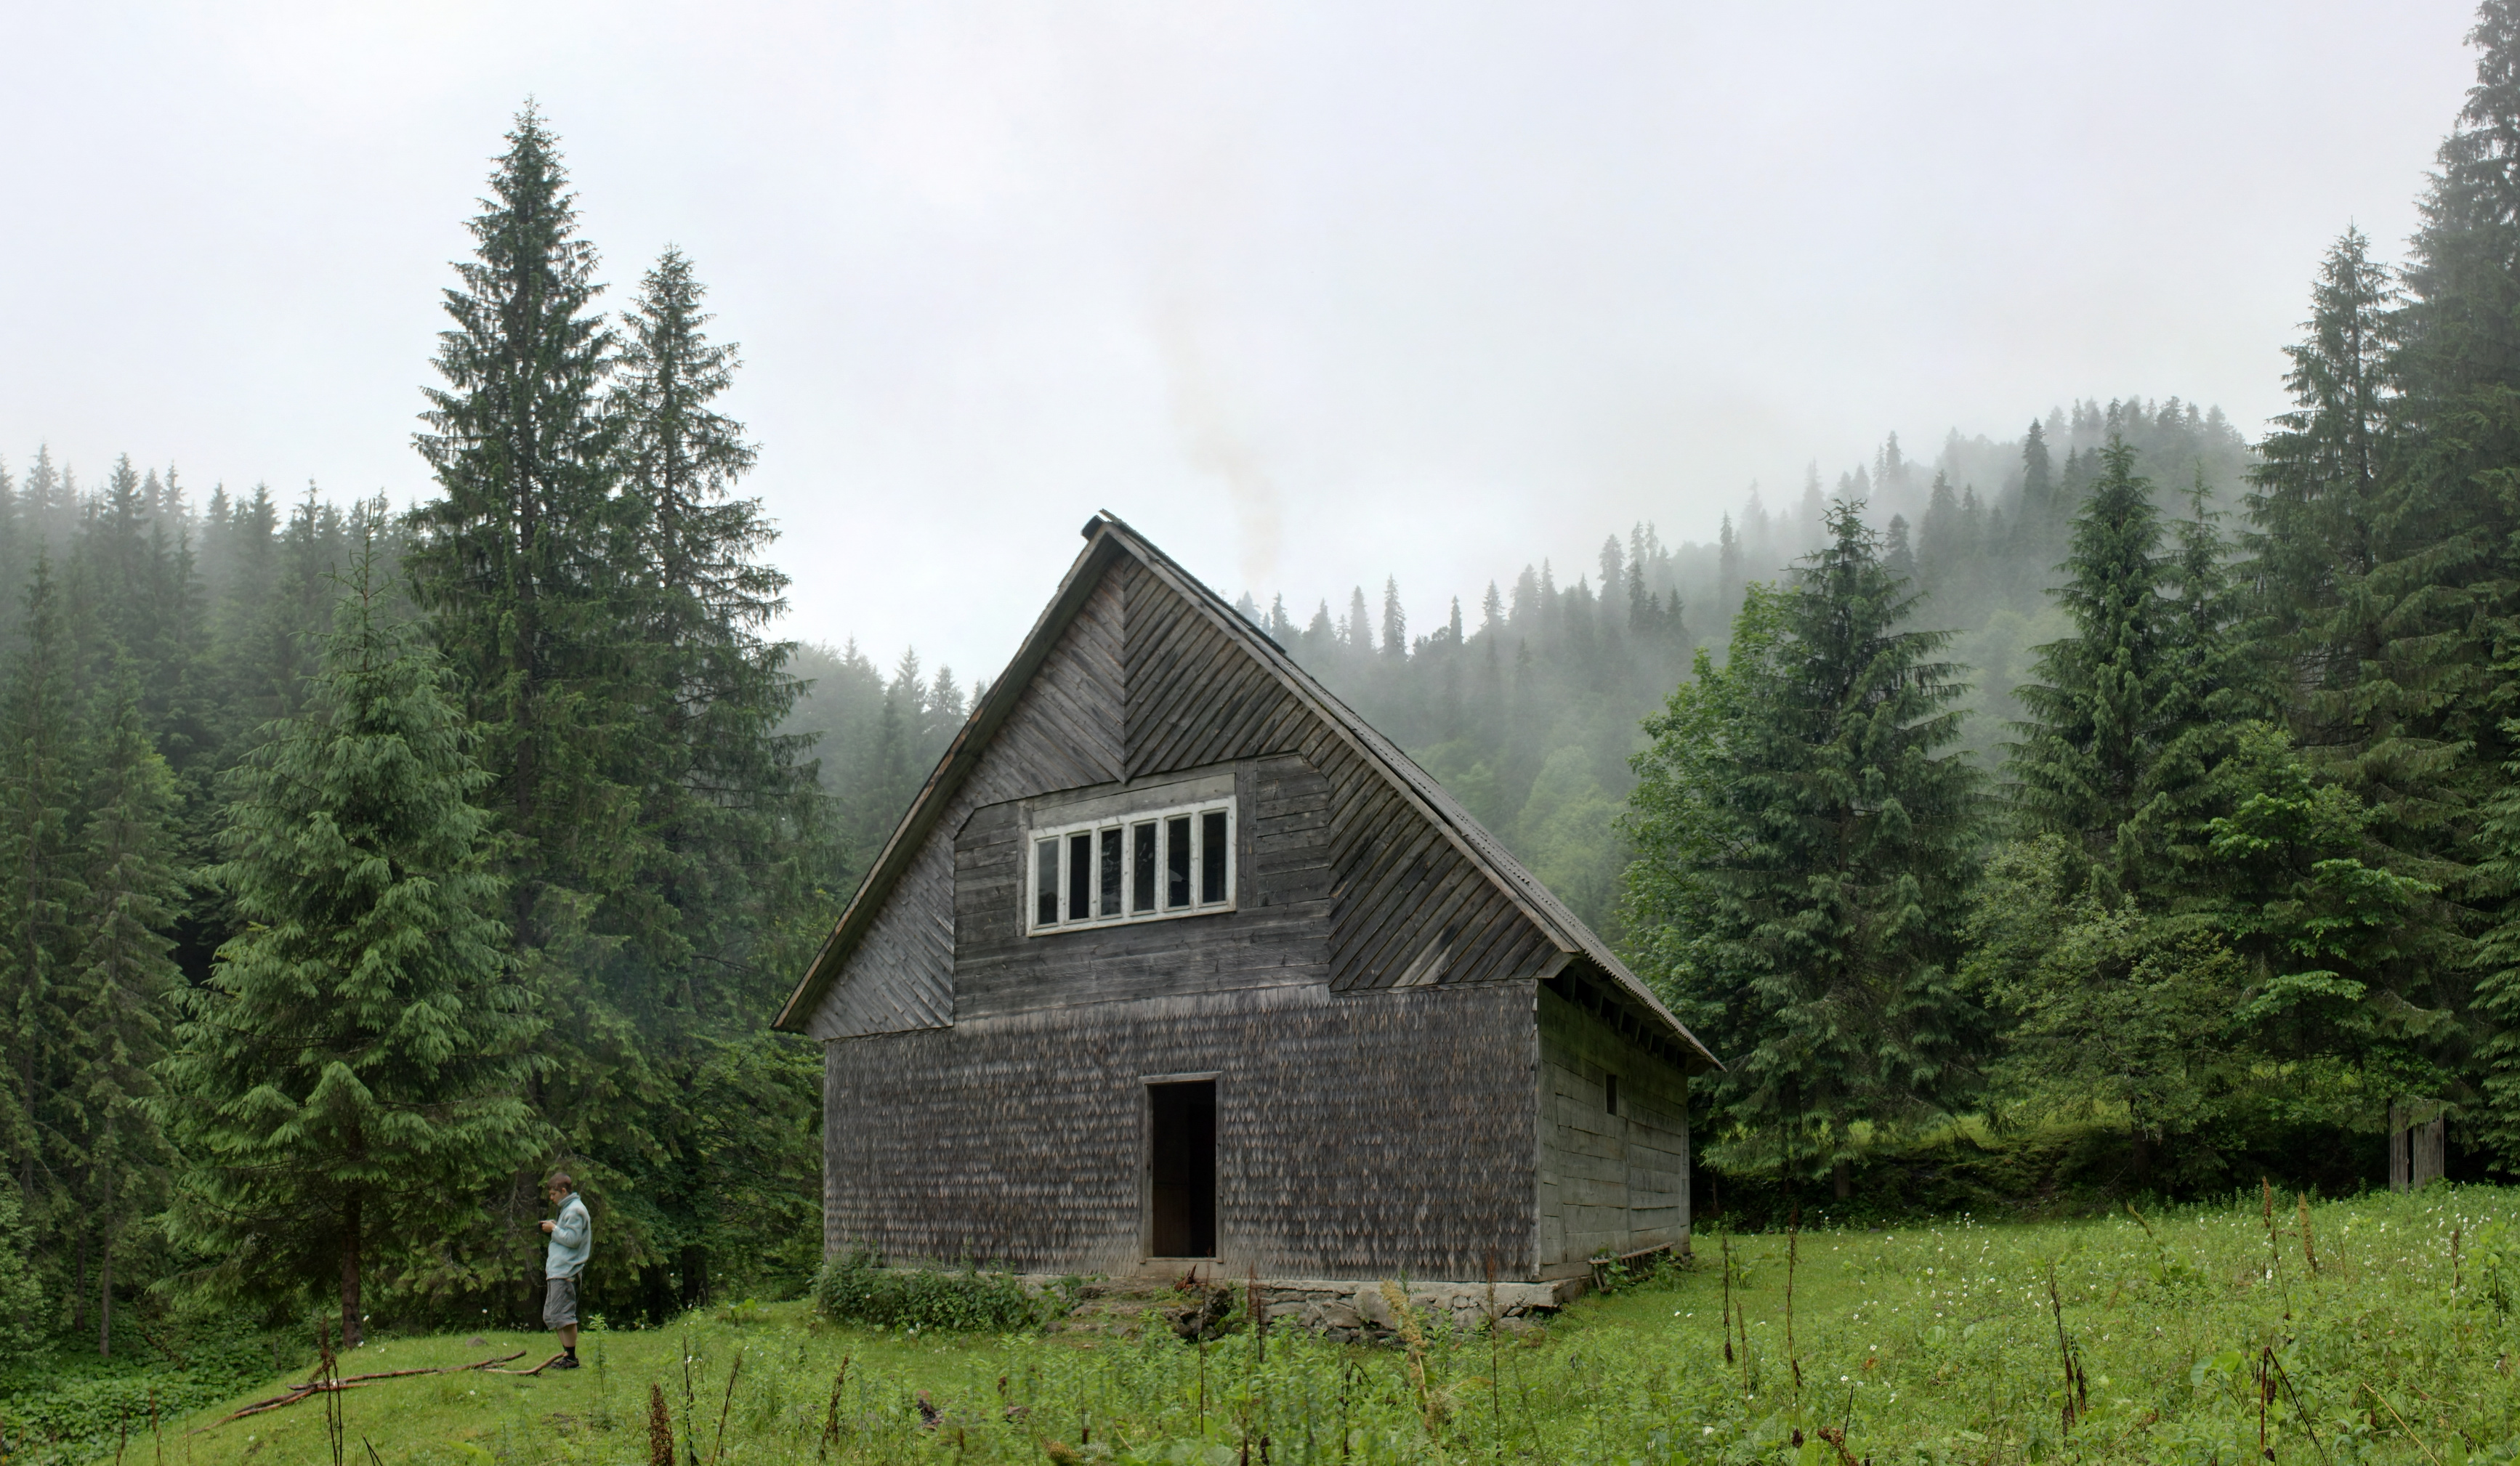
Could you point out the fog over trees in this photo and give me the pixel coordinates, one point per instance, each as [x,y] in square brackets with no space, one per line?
[360,862]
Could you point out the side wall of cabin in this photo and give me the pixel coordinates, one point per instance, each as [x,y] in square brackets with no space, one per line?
[1609,1184]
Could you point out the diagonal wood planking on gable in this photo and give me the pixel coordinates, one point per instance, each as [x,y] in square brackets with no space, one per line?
[1404,897]
[1064,733]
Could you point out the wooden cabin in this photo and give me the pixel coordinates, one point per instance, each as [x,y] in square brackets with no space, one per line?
[1174,958]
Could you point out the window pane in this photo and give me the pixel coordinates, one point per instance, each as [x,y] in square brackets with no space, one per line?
[1211,855]
[1111,882]
[1142,894]
[1177,863]
[1080,878]
[1044,883]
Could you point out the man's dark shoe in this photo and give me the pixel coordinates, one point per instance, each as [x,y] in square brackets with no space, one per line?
[565,1361]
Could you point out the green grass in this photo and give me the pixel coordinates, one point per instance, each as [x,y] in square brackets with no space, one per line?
[1922,1344]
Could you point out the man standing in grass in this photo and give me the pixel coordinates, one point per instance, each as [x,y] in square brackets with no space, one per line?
[572,1236]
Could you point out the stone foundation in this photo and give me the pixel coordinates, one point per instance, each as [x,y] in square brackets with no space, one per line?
[1359,1311]
[1351,1311]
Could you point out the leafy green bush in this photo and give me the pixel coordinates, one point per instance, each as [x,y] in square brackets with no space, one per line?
[856,1287]
[69,1405]
[1655,1271]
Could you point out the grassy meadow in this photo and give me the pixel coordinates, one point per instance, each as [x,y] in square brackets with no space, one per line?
[2191,1335]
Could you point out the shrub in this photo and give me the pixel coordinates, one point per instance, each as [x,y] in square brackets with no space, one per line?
[857,1288]
[1659,1271]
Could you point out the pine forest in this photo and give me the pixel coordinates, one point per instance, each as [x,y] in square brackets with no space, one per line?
[2144,774]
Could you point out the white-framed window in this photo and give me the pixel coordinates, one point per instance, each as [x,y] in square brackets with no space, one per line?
[1143,866]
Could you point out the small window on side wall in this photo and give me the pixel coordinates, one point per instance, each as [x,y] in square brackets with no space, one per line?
[1145,865]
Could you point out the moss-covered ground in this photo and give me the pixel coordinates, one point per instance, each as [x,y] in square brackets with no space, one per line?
[2203,1335]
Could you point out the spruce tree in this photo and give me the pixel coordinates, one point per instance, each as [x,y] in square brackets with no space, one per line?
[2114,696]
[2428,706]
[2189,907]
[514,558]
[726,828]
[2038,504]
[349,1081]
[1937,534]
[2106,1007]
[2431,740]
[22,1284]
[1899,556]
[721,786]
[125,977]
[1805,842]
[40,767]
[2316,504]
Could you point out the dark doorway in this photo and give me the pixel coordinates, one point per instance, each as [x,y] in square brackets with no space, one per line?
[1180,1152]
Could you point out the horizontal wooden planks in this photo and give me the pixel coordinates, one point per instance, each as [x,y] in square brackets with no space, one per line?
[1606,1183]
[1278,934]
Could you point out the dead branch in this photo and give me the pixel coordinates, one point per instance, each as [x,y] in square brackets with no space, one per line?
[319,1386]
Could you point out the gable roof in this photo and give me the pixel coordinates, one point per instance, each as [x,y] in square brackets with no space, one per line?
[1107,539]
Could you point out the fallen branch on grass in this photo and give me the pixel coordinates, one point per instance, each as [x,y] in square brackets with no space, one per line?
[321,1385]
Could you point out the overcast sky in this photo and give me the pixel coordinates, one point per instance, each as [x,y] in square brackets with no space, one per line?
[1310,292]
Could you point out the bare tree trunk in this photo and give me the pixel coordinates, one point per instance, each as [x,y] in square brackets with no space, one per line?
[78,1286]
[350,1271]
[2142,1145]
[1843,1174]
[2427,1152]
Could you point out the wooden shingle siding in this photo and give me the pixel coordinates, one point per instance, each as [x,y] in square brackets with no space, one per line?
[1405,901]
[1064,735]
[1608,1184]
[1359,1136]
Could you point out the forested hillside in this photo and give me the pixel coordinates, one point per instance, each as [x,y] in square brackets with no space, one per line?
[1529,701]
[2245,880]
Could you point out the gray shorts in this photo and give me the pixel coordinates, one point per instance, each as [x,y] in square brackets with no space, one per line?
[560,1302]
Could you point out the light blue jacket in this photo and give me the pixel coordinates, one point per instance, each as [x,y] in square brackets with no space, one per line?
[572,1237]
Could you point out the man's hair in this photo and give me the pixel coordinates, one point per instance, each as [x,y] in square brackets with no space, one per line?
[561,1179]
